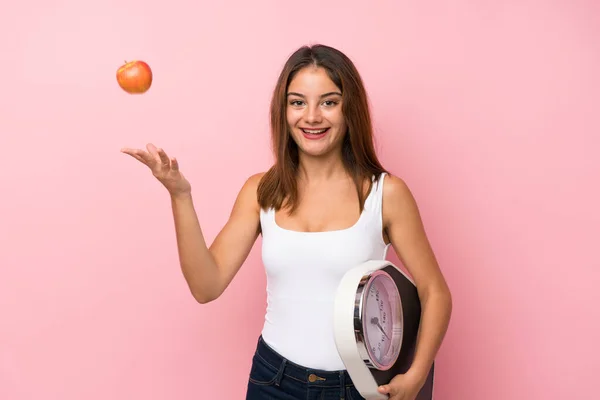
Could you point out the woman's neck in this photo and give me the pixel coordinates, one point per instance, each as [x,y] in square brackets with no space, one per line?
[321,169]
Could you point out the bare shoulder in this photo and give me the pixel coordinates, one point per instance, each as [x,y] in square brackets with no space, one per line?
[252,182]
[247,195]
[254,179]
[243,221]
[398,200]
[396,189]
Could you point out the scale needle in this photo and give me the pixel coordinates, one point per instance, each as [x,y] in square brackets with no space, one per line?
[375,320]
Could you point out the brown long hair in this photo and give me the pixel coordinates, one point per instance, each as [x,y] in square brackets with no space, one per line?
[278,185]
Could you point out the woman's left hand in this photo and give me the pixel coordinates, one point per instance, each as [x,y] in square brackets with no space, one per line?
[402,387]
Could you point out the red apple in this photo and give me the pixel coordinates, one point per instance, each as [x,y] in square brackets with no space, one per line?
[134,77]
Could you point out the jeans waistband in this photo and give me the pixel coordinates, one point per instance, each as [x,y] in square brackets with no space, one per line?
[309,376]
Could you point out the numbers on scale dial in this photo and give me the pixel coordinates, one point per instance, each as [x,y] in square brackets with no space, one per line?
[378,319]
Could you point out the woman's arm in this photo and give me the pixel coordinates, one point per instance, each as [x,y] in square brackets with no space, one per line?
[209,270]
[403,225]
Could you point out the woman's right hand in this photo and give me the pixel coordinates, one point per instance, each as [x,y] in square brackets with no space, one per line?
[165,169]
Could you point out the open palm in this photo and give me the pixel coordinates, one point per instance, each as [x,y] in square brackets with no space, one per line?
[165,169]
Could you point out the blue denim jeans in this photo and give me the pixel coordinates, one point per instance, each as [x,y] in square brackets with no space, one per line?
[272,377]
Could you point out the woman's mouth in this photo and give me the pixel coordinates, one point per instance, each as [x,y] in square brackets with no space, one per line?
[314,134]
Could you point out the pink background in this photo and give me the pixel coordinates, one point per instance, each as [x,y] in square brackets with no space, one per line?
[488,109]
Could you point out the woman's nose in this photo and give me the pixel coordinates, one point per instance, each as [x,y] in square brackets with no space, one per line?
[313,114]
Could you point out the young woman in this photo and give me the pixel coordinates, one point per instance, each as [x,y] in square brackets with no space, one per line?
[326,205]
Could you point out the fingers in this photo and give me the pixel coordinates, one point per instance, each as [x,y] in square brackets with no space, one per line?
[132,152]
[153,157]
[154,152]
[164,159]
[384,389]
[174,164]
[159,155]
[387,389]
[139,155]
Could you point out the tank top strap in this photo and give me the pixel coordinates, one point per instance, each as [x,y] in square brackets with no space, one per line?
[376,200]
[267,219]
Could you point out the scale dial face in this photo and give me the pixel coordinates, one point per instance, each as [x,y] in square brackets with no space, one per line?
[382,320]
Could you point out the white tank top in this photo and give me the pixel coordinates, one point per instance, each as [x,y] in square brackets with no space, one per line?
[303,271]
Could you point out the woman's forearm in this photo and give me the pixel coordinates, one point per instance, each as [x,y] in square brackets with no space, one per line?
[197,263]
[435,317]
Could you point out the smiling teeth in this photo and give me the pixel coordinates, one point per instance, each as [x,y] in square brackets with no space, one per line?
[314,132]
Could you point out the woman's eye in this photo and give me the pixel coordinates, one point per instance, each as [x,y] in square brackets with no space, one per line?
[300,103]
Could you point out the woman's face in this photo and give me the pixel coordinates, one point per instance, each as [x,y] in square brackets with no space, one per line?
[314,112]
